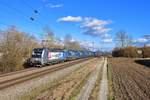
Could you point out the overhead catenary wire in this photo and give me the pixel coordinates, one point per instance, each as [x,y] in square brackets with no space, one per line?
[22,14]
[34,10]
[14,9]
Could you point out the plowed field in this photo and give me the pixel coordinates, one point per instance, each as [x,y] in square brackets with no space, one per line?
[131,80]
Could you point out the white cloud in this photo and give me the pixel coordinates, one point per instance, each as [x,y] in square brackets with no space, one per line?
[54,5]
[91,22]
[70,19]
[109,40]
[140,40]
[95,27]
[147,36]
[91,26]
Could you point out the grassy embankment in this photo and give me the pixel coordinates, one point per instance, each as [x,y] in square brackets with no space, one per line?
[110,82]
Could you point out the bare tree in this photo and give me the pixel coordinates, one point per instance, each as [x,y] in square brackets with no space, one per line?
[48,40]
[67,41]
[70,43]
[15,47]
[123,40]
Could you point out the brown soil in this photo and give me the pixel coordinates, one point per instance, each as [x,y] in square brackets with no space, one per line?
[131,81]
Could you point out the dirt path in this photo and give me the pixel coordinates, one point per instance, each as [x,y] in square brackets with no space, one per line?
[104,83]
[87,88]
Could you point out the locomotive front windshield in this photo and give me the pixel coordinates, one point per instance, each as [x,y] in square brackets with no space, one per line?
[37,53]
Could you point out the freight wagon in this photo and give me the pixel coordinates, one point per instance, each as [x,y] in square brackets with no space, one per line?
[45,56]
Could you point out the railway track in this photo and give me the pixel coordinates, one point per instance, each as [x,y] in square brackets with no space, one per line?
[22,78]
[17,72]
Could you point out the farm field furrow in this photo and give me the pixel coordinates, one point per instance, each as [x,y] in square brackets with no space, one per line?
[130,80]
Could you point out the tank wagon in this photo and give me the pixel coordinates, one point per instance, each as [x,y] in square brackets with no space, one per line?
[45,56]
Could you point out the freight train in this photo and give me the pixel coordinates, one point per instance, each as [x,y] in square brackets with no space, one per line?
[45,56]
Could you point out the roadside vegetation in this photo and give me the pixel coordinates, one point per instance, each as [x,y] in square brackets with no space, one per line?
[96,89]
[110,82]
[132,52]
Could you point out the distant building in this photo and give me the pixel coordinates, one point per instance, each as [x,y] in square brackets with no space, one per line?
[139,52]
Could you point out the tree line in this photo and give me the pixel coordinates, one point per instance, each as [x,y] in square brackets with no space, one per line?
[16,47]
[126,49]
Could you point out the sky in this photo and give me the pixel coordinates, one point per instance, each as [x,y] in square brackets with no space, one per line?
[88,21]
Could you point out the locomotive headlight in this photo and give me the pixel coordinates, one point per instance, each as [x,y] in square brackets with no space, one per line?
[36,59]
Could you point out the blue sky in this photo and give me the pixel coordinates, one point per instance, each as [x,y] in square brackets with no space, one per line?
[86,20]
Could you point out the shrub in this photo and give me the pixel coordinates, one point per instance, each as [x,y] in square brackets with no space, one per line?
[146,51]
[129,51]
[117,52]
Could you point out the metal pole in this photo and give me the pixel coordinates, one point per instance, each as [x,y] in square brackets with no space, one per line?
[93,45]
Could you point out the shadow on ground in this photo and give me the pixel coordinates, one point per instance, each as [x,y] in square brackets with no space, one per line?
[145,62]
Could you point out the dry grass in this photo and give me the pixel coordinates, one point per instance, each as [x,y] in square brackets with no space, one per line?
[110,83]
[76,90]
[70,86]
[95,90]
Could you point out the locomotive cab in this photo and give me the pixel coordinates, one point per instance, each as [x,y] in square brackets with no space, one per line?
[39,56]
